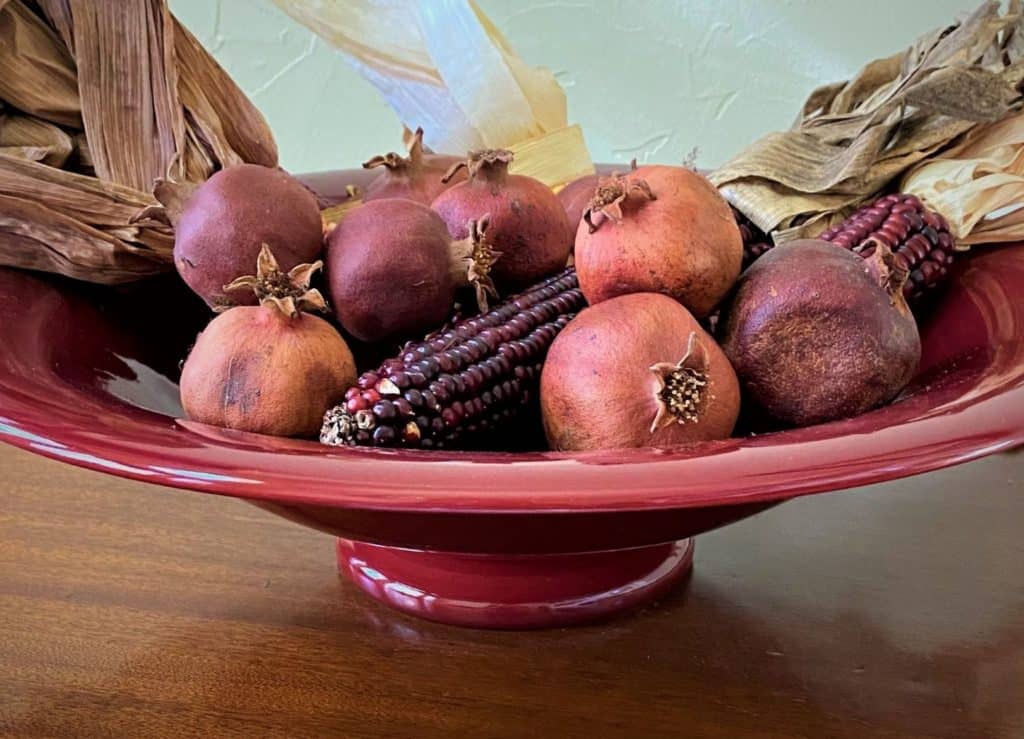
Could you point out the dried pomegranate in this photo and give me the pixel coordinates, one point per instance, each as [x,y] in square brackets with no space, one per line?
[417,176]
[222,226]
[636,371]
[528,223]
[269,368]
[818,333]
[659,229]
[393,270]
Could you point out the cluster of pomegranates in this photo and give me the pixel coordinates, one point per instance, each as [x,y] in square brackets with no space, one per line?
[591,306]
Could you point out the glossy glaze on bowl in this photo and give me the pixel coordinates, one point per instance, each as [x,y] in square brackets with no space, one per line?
[87,376]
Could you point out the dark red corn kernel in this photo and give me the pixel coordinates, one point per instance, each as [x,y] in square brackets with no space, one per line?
[367,380]
[370,396]
[468,377]
[439,393]
[385,410]
[384,436]
[352,392]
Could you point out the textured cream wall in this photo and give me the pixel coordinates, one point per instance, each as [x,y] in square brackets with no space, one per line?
[647,78]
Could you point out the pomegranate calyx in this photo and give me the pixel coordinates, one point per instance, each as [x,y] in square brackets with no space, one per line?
[609,196]
[289,292]
[398,163]
[889,273]
[473,259]
[171,196]
[682,386]
[485,164]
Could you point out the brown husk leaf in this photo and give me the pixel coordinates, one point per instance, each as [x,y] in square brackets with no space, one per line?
[132,118]
[35,139]
[136,100]
[37,74]
[853,138]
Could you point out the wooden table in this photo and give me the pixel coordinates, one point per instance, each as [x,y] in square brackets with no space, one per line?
[891,611]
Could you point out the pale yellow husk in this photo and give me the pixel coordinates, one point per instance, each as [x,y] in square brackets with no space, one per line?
[446,68]
[978,185]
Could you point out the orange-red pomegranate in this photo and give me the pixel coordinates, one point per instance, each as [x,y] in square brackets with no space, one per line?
[636,371]
[659,229]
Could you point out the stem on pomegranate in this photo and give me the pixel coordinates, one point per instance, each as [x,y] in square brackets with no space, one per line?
[612,193]
[890,275]
[396,162]
[682,387]
[172,197]
[288,292]
[472,259]
[483,165]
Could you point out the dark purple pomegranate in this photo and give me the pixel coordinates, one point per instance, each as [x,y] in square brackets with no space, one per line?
[817,333]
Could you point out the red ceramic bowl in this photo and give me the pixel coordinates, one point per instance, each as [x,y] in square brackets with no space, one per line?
[87,376]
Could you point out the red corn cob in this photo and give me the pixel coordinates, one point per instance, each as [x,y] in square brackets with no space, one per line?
[920,238]
[459,381]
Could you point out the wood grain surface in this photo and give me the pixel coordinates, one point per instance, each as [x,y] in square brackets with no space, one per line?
[890,611]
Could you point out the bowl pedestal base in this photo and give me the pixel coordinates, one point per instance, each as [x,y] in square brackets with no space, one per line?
[514,591]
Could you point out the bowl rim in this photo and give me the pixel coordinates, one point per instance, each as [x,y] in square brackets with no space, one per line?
[924,432]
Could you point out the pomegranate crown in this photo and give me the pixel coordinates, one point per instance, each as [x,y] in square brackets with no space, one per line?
[682,386]
[611,193]
[472,259]
[483,163]
[289,292]
[395,162]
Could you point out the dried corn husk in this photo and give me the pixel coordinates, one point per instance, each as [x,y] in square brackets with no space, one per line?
[444,67]
[58,12]
[37,74]
[32,229]
[35,139]
[978,185]
[131,113]
[219,114]
[852,139]
[146,102]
